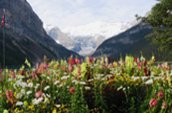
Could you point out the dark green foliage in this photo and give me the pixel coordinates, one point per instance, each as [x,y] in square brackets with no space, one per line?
[161,20]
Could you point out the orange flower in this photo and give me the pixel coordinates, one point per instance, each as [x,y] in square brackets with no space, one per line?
[42,67]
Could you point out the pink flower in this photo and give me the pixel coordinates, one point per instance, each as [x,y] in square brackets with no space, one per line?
[34,75]
[13,75]
[153,102]
[38,94]
[160,94]
[139,65]
[70,68]
[45,66]
[72,90]
[136,60]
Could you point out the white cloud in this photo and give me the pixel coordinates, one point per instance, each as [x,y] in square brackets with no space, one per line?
[64,13]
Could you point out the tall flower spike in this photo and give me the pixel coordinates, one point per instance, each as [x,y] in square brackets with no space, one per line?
[3,21]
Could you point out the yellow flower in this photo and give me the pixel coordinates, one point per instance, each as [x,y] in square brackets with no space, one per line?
[32,107]
[54,111]
[115,64]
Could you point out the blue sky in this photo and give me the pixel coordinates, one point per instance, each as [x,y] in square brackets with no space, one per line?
[67,13]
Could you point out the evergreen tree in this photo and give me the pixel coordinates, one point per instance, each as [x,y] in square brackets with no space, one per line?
[160,18]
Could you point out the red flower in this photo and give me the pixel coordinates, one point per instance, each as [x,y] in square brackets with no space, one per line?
[3,21]
[153,102]
[77,61]
[160,94]
[71,61]
[72,90]
[91,59]
[10,96]
[38,94]
[22,72]
[145,63]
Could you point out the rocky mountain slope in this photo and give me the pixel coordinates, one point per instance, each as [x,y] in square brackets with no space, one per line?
[61,37]
[25,36]
[131,42]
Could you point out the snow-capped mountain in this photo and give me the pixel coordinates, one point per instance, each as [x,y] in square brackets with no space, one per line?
[61,37]
[84,39]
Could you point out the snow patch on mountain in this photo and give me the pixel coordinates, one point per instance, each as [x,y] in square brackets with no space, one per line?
[86,38]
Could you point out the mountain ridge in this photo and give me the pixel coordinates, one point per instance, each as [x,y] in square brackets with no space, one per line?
[131,42]
[26,37]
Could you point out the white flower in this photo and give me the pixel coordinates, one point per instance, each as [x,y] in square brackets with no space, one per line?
[56,82]
[64,77]
[57,105]
[75,81]
[148,82]
[46,88]
[30,85]
[47,95]
[29,92]
[9,79]
[37,101]
[20,77]
[37,85]
[19,103]
[23,91]
[87,88]
[82,83]
[20,94]
[90,80]
[61,85]
[20,83]
[121,87]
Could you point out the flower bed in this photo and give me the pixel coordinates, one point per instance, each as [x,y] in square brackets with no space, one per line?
[91,86]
